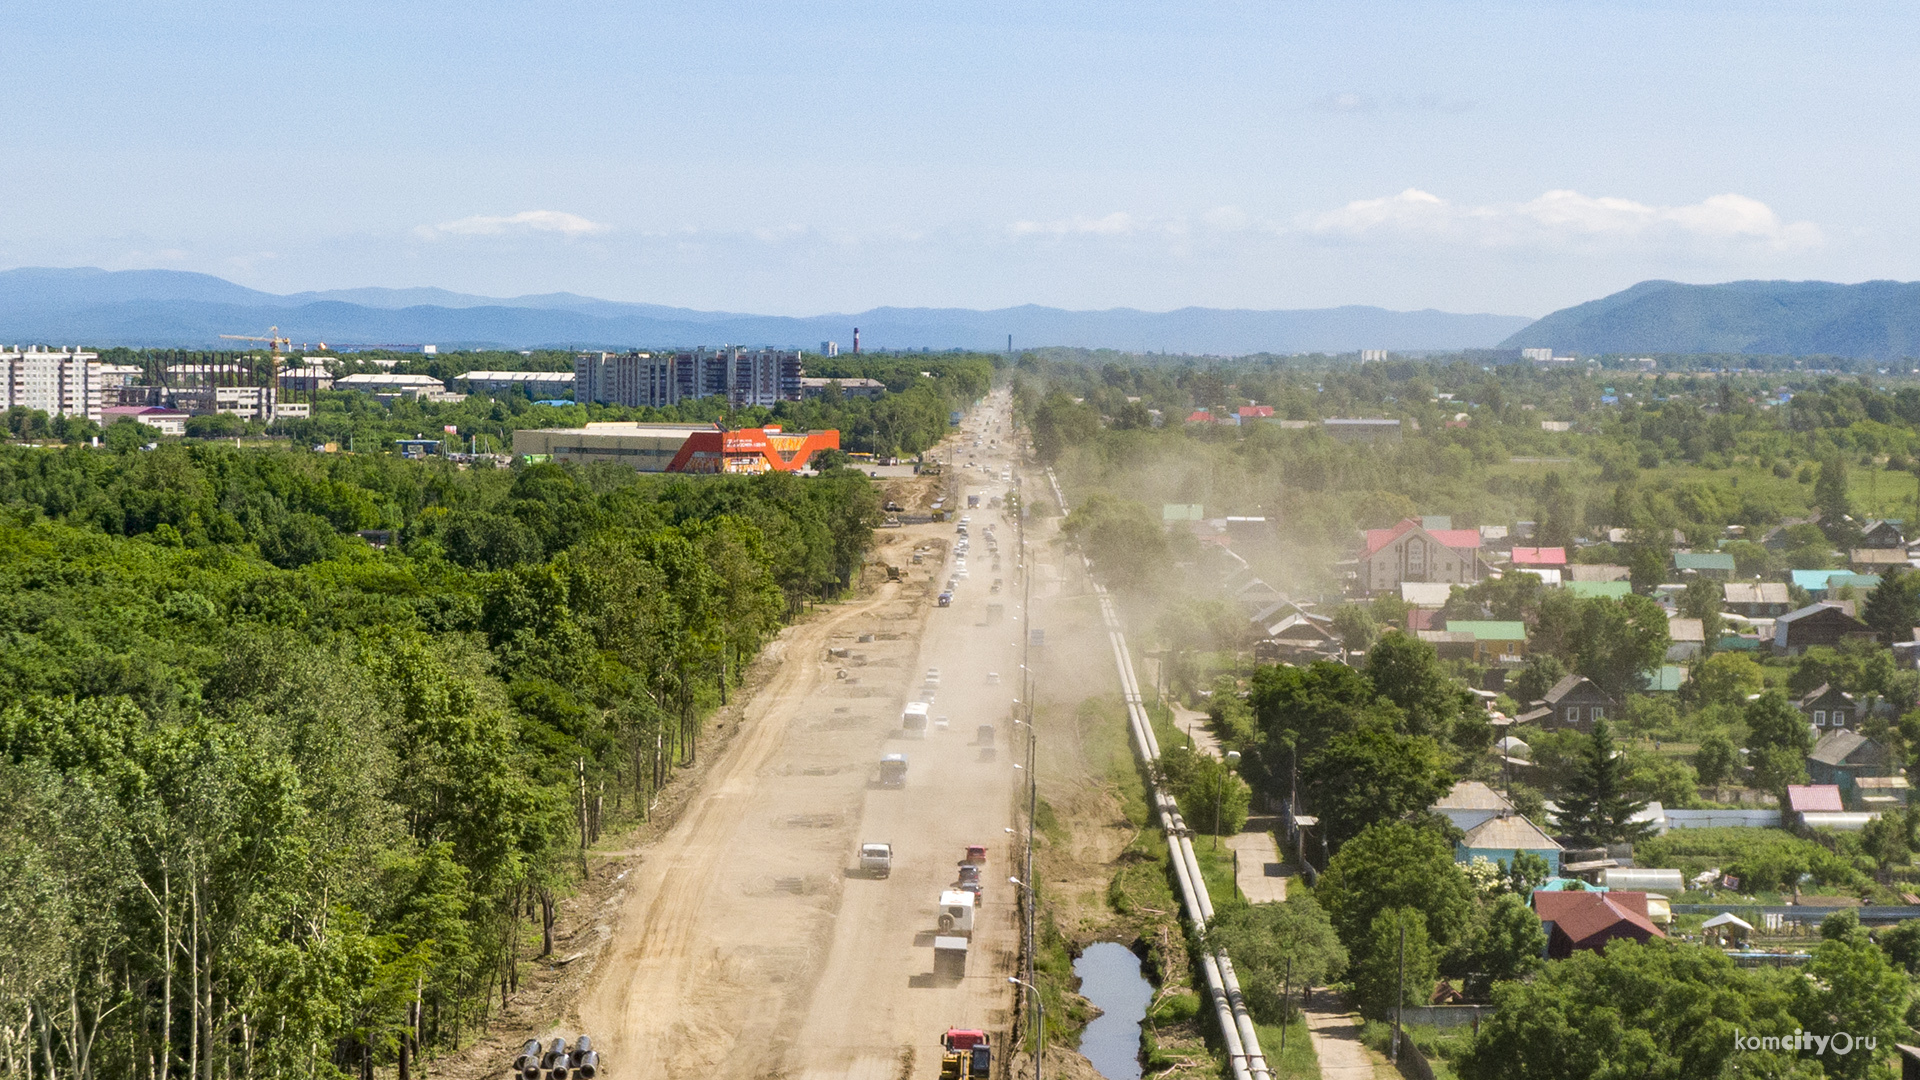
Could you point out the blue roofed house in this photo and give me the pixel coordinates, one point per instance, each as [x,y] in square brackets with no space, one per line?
[1495,830]
[1821,582]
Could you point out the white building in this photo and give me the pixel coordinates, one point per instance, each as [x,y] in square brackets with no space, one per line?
[58,382]
[743,376]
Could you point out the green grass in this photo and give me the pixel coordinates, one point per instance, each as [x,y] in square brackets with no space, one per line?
[1297,1061]
[1437,1045]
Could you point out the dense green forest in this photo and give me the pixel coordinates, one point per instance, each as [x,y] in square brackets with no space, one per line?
[277,802]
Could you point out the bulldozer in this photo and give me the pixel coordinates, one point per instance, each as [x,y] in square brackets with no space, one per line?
[965,1053]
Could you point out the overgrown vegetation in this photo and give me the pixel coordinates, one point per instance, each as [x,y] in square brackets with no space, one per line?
[276,802]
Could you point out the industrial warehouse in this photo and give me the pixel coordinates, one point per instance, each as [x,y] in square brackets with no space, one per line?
[678,448]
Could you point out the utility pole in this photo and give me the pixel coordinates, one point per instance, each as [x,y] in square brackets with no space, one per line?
[1400,999]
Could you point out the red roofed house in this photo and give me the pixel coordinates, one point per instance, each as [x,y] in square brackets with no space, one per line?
[1588,920]
[1199,416]
[1539,556]
[1408,552]
[1256,412]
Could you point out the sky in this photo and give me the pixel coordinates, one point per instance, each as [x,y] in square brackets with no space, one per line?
[799,158]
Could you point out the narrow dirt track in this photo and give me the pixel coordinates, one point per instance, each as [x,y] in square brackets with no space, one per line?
[747,946]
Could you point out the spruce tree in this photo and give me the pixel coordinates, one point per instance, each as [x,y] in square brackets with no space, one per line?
[1595,808]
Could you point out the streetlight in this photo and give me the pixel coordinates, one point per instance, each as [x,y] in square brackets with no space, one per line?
[1040,1029]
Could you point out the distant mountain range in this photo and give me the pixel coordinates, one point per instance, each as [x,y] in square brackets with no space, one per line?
[1878,320]
[170,308]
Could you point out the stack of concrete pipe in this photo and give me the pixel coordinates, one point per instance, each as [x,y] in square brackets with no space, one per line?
[1223,987]
[560,1061]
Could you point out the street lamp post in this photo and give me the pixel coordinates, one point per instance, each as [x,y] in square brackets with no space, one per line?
[1040,1032]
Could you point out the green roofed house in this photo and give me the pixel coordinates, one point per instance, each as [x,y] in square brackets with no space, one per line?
[1600,590]
[1710,564]
[1492,639]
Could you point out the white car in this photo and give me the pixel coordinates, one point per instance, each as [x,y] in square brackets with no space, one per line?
[933,676]
[993,678]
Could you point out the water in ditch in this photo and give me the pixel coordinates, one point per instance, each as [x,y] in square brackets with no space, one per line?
[1110,978]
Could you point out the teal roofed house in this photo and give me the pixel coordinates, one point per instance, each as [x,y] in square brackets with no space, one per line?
[1820,581]
[1710,564]
[1600,590]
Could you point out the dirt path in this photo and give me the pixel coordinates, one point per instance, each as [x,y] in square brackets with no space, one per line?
[1335,1032]
[746,945]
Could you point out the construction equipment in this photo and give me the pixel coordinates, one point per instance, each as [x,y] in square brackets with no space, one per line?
[965,1053]
[893,770]
[950,957]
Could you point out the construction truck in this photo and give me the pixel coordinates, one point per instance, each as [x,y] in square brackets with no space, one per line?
[965,1053]
[950,957]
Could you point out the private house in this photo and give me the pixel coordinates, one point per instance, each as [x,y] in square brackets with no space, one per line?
[1876,560]
[1756,599]
[1823,582]
[1883,533]
[1687,636]
[1501,837]
[1255,412]
[1586,921]
[1598,572]
[1536,558]
[1411,552]
[1710,564]
[1843,759]
[1470,804]
[1299,636]
[1494,641]
[1823,623]
[1574,702]
[1828,707]
[1426,594]
[1600,590]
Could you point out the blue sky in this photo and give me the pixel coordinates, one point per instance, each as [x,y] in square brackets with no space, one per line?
[797,158]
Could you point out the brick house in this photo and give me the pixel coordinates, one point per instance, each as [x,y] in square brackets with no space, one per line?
[1409,552]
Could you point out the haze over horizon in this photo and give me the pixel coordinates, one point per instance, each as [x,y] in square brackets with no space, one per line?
[1509,159]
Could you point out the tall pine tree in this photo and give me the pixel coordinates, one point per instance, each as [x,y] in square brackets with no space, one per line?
[1595,808]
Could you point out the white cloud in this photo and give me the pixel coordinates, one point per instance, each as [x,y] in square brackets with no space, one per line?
[526,221]
[1346,103]
[1114,224]
[1565,218]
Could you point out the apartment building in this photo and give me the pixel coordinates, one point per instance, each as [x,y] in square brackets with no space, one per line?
[743,376]
[58,382]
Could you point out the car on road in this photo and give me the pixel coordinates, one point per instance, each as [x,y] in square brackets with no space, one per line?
[946,599]
[940,723]
[876,860]
[933,676]
[993,678]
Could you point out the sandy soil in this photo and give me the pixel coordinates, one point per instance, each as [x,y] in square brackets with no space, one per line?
[746,944]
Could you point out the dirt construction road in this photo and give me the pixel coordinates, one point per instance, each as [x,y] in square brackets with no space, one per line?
[748,945]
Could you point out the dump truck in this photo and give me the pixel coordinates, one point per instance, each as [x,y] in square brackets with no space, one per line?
[950,957]
[965,1054]
[956,912]
[876,860]
[893,770]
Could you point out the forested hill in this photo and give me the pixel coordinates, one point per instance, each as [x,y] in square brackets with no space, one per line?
[1877,320]
[277,803]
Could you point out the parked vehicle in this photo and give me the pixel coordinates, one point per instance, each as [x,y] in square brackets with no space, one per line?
[946,599]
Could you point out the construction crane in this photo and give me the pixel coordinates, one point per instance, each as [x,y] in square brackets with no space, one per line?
[276,341]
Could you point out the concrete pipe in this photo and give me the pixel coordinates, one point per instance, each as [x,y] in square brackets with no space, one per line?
[589,1066]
